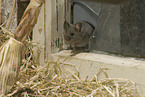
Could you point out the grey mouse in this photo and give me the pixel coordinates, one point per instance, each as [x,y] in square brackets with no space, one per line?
[78,35]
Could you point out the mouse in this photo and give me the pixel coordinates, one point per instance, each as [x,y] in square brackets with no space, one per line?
[78,34]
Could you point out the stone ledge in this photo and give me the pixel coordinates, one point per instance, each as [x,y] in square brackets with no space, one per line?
[119,67]
[104,58]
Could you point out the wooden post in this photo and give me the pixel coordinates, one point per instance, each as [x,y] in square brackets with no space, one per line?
[48,32]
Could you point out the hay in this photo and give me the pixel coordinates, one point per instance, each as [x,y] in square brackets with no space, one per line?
[10,63]
[51,81]
[3,38]
[4,35]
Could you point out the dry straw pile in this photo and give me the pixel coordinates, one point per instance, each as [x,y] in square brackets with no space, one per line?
[51,81]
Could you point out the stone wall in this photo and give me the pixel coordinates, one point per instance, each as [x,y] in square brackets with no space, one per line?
[6,9]
[7,6]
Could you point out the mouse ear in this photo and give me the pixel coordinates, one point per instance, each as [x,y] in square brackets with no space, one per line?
[78,27]
[66,25]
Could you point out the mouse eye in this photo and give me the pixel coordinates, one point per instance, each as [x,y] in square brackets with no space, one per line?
[72,34]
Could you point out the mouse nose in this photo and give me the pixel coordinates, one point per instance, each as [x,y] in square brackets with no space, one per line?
[67,38]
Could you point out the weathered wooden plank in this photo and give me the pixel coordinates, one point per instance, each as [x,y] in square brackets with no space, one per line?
[49,29]
[60,23]
[39,37]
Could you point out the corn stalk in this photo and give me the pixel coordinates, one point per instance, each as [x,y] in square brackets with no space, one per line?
[12,51]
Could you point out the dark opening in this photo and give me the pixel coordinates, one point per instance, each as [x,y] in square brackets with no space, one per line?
[120,25]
